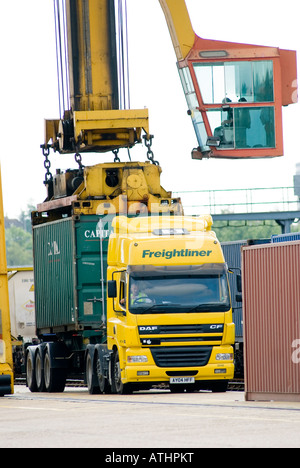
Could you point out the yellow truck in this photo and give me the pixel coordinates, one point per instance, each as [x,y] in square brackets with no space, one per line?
[169,317]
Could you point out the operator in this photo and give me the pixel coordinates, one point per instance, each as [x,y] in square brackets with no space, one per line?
[136,294]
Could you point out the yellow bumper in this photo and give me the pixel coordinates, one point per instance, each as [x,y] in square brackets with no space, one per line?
[150,372]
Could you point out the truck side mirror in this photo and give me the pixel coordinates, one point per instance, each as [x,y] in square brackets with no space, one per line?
[238,298]
[112,288]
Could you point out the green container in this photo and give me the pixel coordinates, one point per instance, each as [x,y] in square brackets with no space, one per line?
[70,262]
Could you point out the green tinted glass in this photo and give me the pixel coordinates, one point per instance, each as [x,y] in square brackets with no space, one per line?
[246,127]
[244,81]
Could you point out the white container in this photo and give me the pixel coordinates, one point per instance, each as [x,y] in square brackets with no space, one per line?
[21,303]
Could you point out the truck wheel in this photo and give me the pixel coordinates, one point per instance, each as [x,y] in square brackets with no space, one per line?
[55,379]
[90,376]
[117,384]
[30,372]
[39,371]
[103,382]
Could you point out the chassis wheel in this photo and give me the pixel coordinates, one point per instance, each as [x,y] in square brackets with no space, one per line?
[30,372]
[90,376]
[103,382]
[55,379]
[39,371]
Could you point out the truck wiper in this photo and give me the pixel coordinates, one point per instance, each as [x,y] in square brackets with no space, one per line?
[210,307]
[159,307]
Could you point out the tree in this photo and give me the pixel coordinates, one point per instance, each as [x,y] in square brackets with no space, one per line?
[18,234]
[25,218]
[237,230]
[18,247]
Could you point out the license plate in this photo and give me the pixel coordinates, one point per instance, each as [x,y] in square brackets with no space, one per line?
[182,380]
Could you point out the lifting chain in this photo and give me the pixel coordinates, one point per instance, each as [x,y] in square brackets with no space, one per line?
[117,159]
[150,154]
[78,159]
[47,164]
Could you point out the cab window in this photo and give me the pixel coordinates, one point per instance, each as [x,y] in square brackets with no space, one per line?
[244,81]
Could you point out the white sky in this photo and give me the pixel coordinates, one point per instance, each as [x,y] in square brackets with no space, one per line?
[29,94]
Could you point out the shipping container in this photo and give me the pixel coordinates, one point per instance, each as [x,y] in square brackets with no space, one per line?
[233,256]
[67,271]
[291,236]
[21,303]
[271,308]
[22,313]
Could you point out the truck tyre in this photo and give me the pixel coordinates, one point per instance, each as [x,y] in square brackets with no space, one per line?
[39,370]
[55,379]
[30,372]
[103,382]
[90,373]
[117,384]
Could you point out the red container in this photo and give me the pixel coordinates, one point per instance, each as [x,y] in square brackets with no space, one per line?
[271,308]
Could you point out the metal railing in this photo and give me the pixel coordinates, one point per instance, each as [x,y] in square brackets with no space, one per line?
[248,200]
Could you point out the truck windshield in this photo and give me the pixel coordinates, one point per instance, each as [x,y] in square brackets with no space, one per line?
[182,291]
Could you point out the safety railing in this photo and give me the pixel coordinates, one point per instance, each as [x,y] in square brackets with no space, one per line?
[248,200]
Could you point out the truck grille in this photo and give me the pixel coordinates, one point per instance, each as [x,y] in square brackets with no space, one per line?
[181,356]
[195,328]
[180,329]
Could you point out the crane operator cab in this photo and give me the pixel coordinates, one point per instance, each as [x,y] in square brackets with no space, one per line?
[235,103]
[235,92]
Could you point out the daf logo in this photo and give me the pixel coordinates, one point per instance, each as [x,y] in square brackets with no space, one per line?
[148,329]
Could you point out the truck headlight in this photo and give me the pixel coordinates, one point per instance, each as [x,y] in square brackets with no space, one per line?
[137,358]
[224,357]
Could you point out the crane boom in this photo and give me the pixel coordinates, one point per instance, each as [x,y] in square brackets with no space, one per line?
[180,27]
[92,55]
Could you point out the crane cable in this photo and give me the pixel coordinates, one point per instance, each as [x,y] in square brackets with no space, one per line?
[123,59]
[61,55]
[60,78]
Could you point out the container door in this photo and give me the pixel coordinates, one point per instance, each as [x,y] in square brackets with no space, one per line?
[54,274]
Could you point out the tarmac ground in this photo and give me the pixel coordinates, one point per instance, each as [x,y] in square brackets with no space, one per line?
[155,419]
